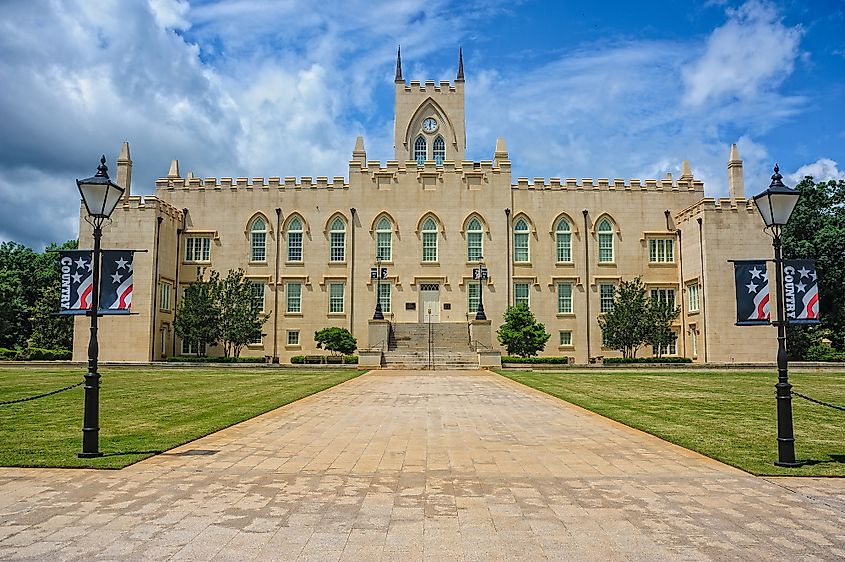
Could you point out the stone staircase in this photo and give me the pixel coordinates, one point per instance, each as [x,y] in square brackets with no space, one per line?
[408,347]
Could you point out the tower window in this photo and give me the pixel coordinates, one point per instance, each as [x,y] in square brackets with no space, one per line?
[420,150]
[439,150]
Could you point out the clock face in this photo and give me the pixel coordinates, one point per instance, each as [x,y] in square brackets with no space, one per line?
[429,125]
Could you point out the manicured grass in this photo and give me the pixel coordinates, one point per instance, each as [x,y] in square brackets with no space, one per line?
[143,410]
[726,415]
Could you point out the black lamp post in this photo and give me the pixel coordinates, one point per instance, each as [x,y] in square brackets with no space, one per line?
[378,315]
[479,312]
[100,196]
[775,206]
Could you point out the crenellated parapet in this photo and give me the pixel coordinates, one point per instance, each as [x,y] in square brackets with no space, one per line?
[256,183]
[720,205]
[147,203]
[394,171]
[429,86]
[604,184]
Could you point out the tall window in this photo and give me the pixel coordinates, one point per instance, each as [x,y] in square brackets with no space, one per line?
[692,297]
[384,296]
[475,247]
[473,297]
[429,240]
[439,150]
[606,292]
[665,296]
[258,240]
[669,349]
[257,296]
[164,297]
[694,339]
[198,248]
[294,297]
[520,294]
[295,240]
[605,241]
[420,151]
[336,297]
[564,298]
[563,237]
[384,240]
[661,250]
[337,237]
[520,241]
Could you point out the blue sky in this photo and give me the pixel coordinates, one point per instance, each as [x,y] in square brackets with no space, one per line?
[257,88]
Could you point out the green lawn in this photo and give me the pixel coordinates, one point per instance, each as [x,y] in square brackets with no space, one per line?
[726,415]
[143,410]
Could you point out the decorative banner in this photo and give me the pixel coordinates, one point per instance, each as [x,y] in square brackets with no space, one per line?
[116,282]
[77,281]
[752,293]
[801,291]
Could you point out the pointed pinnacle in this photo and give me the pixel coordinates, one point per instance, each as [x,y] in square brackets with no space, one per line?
[398,77]
[460,77]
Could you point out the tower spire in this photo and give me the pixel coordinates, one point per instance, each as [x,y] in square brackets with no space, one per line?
[399,66]
[460,77]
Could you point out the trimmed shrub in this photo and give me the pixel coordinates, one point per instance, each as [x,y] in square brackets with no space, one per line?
[219,359]
[824,352]
[35,354]
[297,360]
[8,354]
[350,359]
[536,360]
[652,360]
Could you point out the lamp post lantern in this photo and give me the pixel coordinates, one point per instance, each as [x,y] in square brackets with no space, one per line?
[776,205]
[482,277]
[100,196]
[379,314]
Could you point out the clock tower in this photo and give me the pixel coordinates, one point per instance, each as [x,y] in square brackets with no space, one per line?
[429,119]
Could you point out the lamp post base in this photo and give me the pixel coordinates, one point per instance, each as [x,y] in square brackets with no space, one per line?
[788,464]
[89,455]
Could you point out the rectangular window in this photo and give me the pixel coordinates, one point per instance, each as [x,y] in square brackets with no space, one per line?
[338,246]
[520,294]
[384,297]
[473,297]
[564,247]
[606,292]
[336,297]
[189,348]
[670,349]
[294,246]
[666,296]
[293,337]
[565,337]
[383,246]
[259,247]
[198,248]
[520,247]
[564,298]
[294,297]
[661,250]
[429,246]
[474,250]
[257,295]
[605,248]
[165,290]
[692,297]
[694,340]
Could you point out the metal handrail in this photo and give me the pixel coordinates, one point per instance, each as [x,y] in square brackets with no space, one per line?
[380,346]
[475,344]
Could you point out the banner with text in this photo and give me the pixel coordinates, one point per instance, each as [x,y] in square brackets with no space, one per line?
[77,280]
[801,291]
[752,293]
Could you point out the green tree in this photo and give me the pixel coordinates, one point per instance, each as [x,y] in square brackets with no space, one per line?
[240,319]
[815,231]
[521,334]
[337,340]
[48,330]
[626,326]
[12,310]
[198,315]
[658,329]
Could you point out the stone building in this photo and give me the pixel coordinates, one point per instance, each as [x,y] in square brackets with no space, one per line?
[430,217]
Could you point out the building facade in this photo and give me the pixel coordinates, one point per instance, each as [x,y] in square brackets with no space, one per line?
[430,217]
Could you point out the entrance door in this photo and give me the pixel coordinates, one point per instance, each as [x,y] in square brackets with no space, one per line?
[430,302]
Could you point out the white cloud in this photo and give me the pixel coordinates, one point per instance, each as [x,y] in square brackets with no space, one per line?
[823,169]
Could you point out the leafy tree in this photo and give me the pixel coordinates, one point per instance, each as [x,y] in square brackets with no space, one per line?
[815,231]
[198,314]
[521,334]
[658,329]
[240,321]
[337,340]
[12,310]
[626,326]
[49,330]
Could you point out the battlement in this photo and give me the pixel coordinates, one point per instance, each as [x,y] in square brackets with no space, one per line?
[444,86]
[305,182]
[393,167]
[720,205]
[152,203]
[604,184]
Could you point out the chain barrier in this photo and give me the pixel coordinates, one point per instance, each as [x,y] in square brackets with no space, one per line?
[834,406]
[28,398]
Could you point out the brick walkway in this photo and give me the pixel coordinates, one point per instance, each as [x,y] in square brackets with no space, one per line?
[421,466]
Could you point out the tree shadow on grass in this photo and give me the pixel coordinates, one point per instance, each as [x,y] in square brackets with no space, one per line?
[127,453]
[838,459]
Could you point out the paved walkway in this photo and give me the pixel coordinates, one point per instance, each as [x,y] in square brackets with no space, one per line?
[444,466]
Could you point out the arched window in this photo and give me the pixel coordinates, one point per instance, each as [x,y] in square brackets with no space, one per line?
[605,241]
[384,240]
[563,238]
[520,241]
[429,240]
[258,240]
[439,150]
[420,150]
[475,244]
[295,240]
[337,240]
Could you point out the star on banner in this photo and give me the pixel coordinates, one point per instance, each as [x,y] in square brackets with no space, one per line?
[755,273]
[80,263]
[800,287]
[752,288]
[77,278]
[121,263]
[804,272]
[116,278]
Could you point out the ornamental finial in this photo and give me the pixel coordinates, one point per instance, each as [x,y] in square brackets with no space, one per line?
[777,178]
[102,169]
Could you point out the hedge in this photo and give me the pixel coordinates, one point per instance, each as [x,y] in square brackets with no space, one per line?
[609,360]
[536,360]
[35,354]
[217,359]
[323,359]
